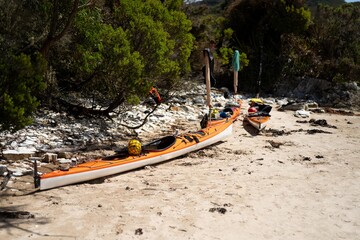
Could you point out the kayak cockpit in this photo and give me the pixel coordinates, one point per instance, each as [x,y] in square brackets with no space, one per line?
[160,144]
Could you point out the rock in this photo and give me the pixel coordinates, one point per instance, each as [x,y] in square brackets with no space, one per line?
[232,104]
[14,144]
[64,161]
[50,158]
[317,110]
[16,155]
[26,150]
[67,155]
[174,108]
[191,118]
[20,172]
[312,105]
[139,231]
[187,109]
[199,101]
[74,161]
[37,159]
[282,102]
[64,167]
[217,105]
[269,101]
[293,107]
[3,170]
[302,113]
[218,209]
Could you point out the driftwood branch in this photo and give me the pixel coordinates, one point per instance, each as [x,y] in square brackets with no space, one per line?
[77,109]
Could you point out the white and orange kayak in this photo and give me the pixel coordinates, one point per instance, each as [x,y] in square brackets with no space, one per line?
[258,113]
[258,121]
[160,150]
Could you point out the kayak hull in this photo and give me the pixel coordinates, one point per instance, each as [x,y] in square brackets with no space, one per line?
[184,144]
[258,122]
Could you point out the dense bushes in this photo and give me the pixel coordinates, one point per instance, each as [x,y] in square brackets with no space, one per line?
[99,54]
[21,83]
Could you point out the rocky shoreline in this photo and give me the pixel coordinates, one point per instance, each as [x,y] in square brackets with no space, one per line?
[56,140]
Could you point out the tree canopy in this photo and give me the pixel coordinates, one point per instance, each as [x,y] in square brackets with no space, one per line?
[283,39]
[91,56]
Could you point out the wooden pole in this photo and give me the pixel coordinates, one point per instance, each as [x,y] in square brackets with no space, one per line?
[235,81]
[260,72]
[207,78]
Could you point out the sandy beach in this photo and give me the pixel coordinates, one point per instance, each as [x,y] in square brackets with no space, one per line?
[284,183]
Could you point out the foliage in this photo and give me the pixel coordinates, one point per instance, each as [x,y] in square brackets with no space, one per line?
[209,23]
[108,55]
[281,40]
[313,4]
[114,51]
[22,68]
[331,49]
[24,26]
[108,51]
[122,53]
[336,36]
[21,78]
[259,26]
[165,32]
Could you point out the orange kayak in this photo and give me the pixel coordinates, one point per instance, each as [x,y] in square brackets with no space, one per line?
[229,112]
[160,150]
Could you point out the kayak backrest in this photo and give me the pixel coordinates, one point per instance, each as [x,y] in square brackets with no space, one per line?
[264,108]
[259,114]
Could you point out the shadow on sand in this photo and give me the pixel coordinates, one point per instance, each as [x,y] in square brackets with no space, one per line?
[13,219]
[249,128]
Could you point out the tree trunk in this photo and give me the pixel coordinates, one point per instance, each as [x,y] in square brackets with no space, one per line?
[52,38]
[78,110]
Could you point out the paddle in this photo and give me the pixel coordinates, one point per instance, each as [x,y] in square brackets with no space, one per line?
[236,68]
[207,79]
[36,175]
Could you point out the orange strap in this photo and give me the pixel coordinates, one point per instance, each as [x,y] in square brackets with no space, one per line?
[155,93]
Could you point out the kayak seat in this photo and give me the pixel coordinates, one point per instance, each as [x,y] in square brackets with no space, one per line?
[160,144]
[228,110]
[265,108]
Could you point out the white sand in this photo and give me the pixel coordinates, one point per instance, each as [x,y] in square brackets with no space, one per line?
[243,188]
